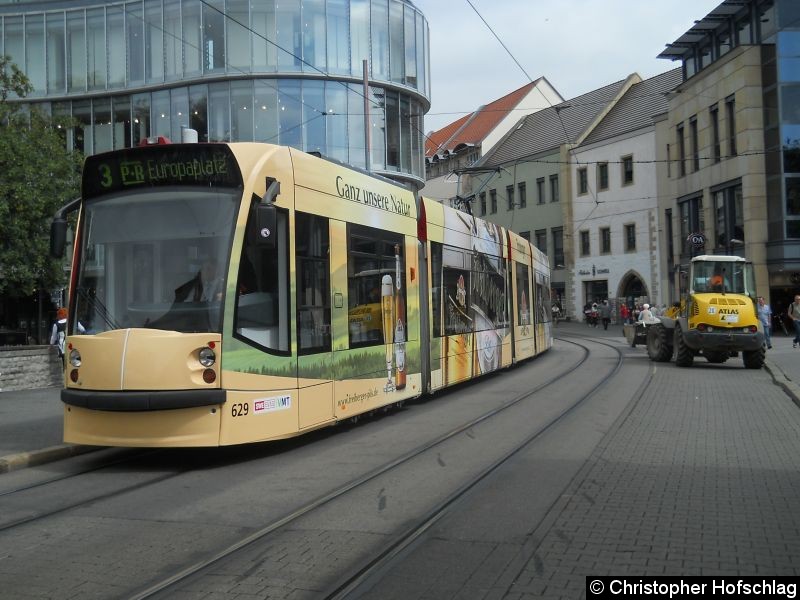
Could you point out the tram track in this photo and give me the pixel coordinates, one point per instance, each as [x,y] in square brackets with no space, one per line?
[103,465]
[395,550]
[378,560]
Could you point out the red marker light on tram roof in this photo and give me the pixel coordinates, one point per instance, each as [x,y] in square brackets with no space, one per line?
[156,140]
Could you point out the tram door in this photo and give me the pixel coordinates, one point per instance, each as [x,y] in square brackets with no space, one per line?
[314,352]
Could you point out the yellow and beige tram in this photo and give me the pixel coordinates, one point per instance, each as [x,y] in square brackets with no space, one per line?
[233,293]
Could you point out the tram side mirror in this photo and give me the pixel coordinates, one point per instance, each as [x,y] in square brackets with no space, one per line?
[265,221]
[58,237]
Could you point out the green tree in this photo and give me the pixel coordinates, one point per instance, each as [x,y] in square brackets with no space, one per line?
[38,176]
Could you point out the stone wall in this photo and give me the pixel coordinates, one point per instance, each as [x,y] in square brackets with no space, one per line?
[29,367]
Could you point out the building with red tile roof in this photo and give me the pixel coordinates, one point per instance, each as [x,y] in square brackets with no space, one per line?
[464,141]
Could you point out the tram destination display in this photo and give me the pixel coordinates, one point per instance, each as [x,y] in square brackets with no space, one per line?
[151,166]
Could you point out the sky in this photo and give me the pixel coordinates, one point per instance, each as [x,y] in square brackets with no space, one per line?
[578,45]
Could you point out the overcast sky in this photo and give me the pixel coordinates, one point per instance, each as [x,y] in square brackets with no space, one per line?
[578,45]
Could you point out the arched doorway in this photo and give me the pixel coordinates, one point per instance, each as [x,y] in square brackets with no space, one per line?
[631,288]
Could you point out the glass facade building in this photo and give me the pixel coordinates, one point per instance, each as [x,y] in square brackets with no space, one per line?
[279,71]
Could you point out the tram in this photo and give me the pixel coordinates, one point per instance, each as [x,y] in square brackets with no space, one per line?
[233,293]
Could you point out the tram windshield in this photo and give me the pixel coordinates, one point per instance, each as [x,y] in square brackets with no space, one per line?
[156,258]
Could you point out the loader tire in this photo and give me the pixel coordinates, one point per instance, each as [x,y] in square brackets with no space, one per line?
[754,359]
[684,356]
[659,346]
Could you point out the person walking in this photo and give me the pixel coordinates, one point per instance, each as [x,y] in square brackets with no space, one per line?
[59,332]
[605,314]
[794,314]
[624,313]
[765,316]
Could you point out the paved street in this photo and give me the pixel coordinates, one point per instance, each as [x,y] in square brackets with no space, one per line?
[699,475]
[703,482]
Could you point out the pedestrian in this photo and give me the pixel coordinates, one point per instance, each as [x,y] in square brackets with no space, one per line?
[58,334]
[765,316]
[587,313]
[605,313]
[646,316]
[624,313]
[794,314]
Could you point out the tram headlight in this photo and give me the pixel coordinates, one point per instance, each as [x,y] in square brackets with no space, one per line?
[75,358]
[207,357]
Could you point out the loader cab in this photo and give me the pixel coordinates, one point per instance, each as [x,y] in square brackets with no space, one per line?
[722,275]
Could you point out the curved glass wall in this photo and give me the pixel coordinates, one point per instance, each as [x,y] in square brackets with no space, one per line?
[129,70]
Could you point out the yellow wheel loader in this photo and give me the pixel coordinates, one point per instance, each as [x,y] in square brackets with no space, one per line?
[716,317]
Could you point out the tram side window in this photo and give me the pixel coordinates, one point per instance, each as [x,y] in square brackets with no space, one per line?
[262,290]
[523,293]
[543,312]
[313,284]
[370,258]
[436,288]
[488,308]
[456,281]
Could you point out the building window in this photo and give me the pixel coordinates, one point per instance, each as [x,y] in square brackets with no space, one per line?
[689,67]
[690,211]
[585,246]
[730,114]
[554,188]
[723,42]
[523,201]
[558,247]
[669,161]
[540,239]
[670,243]
[540,196]
[695,144]
[705,56]
[583,181]
[728,219]
[525,235]
[493,200]
[605,240]
[792,222]
[627,170]
[713,112]
[602,176]
[630,237]
[681,140]
[482,196]
[744,30]
[510,196]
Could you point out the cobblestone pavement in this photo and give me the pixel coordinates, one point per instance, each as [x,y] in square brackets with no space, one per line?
[699,477]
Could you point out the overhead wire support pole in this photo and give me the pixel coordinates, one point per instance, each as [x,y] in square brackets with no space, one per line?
[367,132]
